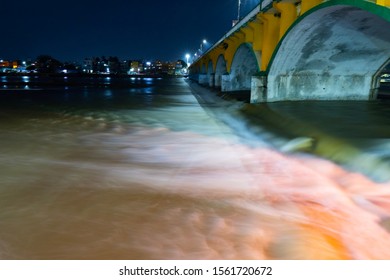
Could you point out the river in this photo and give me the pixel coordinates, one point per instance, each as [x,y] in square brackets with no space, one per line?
[148,168]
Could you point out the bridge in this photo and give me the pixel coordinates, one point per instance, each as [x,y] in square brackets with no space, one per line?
[301,50]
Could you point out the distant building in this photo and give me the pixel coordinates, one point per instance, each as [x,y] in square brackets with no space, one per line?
[4,64]
[135,67]
[112,65]
[12,66]
[169,68]
[125,66]
[88,65]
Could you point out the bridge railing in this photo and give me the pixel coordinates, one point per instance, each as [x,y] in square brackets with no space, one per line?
[236,27]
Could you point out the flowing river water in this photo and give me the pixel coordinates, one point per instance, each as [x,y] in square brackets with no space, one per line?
[150,169]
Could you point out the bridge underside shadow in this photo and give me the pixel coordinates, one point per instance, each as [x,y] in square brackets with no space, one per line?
[220,70]
[237,83]
[244,66]
[334,53]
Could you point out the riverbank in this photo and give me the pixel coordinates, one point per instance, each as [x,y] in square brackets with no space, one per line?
[352,134]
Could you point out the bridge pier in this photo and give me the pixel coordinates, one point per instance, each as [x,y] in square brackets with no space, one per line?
[203,79]
[258,89]
[337,58]
[320,86]
[217,80]
[226,83]
[212,80]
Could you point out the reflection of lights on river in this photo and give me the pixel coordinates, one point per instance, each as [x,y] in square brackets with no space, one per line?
[26,79]
[107,80]
[148,81]
[108,94]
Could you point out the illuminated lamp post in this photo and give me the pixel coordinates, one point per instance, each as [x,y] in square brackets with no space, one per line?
[201,45]
[239,10]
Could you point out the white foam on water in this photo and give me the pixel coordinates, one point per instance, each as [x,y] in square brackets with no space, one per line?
[198,196]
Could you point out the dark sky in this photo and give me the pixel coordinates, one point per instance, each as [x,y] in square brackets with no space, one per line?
[130,29]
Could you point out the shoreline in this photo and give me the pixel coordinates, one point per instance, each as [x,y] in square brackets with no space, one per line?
[43,81]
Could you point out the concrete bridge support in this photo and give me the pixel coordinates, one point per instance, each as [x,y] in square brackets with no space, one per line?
[211,80]
[334,53]
[244,66]
[258,89]
[203,79]
[226,83]
[220,70]
[217,80]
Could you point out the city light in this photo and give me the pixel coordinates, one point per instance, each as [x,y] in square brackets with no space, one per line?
[97,65]
[204,42]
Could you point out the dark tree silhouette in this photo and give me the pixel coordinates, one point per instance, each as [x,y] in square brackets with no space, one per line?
[47,64]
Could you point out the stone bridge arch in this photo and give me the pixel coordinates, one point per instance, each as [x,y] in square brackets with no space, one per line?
[220,69]
[334,52]
[244,66]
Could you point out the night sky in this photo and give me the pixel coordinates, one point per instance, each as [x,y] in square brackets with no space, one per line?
[130,29]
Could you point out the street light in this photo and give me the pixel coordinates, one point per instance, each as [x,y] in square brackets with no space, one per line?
[188,58]
[239,10]
[201,45]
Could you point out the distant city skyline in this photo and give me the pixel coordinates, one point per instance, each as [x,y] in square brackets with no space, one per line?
[94,65]
[149,29]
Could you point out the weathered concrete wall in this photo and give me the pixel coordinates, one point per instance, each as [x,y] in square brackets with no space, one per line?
[244,66]
[332,54]
[219,71]
[217,80]
[203,79]
[211,80]
[210,74]
[321,86]
[258,89]
[226,83]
